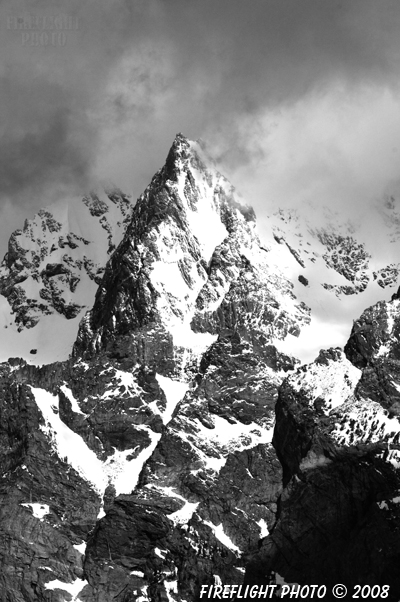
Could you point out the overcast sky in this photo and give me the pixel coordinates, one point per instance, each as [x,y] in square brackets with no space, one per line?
[297,99]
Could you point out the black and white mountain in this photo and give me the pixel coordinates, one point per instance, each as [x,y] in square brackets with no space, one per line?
[159,427]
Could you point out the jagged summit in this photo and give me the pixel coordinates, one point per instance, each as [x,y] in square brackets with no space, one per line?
[190,255]
[191,159]
[189,232]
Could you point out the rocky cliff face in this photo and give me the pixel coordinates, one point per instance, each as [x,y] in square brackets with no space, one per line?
[48,256]
[337,437]
[179,446]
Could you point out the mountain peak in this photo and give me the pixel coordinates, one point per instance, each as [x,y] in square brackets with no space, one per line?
[184,155]
[179,138]
[189,240]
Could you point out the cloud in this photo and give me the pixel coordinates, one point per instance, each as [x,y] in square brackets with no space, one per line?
[57,61]
[297,101]
[230,74]
[107,103]
[341,150]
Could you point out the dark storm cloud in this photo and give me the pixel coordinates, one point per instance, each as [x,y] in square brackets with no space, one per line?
[262,54]
[55,62]
[71,113]
[227,61]
[44,153]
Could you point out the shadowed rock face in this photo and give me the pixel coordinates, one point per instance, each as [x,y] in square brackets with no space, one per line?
[38,490]
[338,519]
[178,447]
[331,528]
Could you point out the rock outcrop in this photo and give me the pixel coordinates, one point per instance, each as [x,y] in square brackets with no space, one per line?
[337,435]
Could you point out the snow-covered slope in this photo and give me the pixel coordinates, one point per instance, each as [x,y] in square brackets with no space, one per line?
[338,265]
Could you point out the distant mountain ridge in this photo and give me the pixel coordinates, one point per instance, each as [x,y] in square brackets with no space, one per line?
[53,267]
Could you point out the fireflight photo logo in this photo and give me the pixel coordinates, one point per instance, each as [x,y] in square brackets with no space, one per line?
[42,30]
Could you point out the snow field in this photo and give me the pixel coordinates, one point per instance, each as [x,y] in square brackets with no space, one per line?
[174,392]
[117,470]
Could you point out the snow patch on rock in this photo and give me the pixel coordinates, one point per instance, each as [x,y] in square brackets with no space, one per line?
[332,380]
[74,588]
[174,392]
[74,404]
[38,510]
[220,534]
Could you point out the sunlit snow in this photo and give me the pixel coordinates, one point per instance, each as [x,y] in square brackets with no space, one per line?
[123,473]
[171,587]
[160,553]
[333,381]
[174,392]
[74,404]
[237,436]
[366,421]
[222,536]
[81,548]
[263,528]
[74,588]
[183,515]
[68,444]
[213,445]
[39,510]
